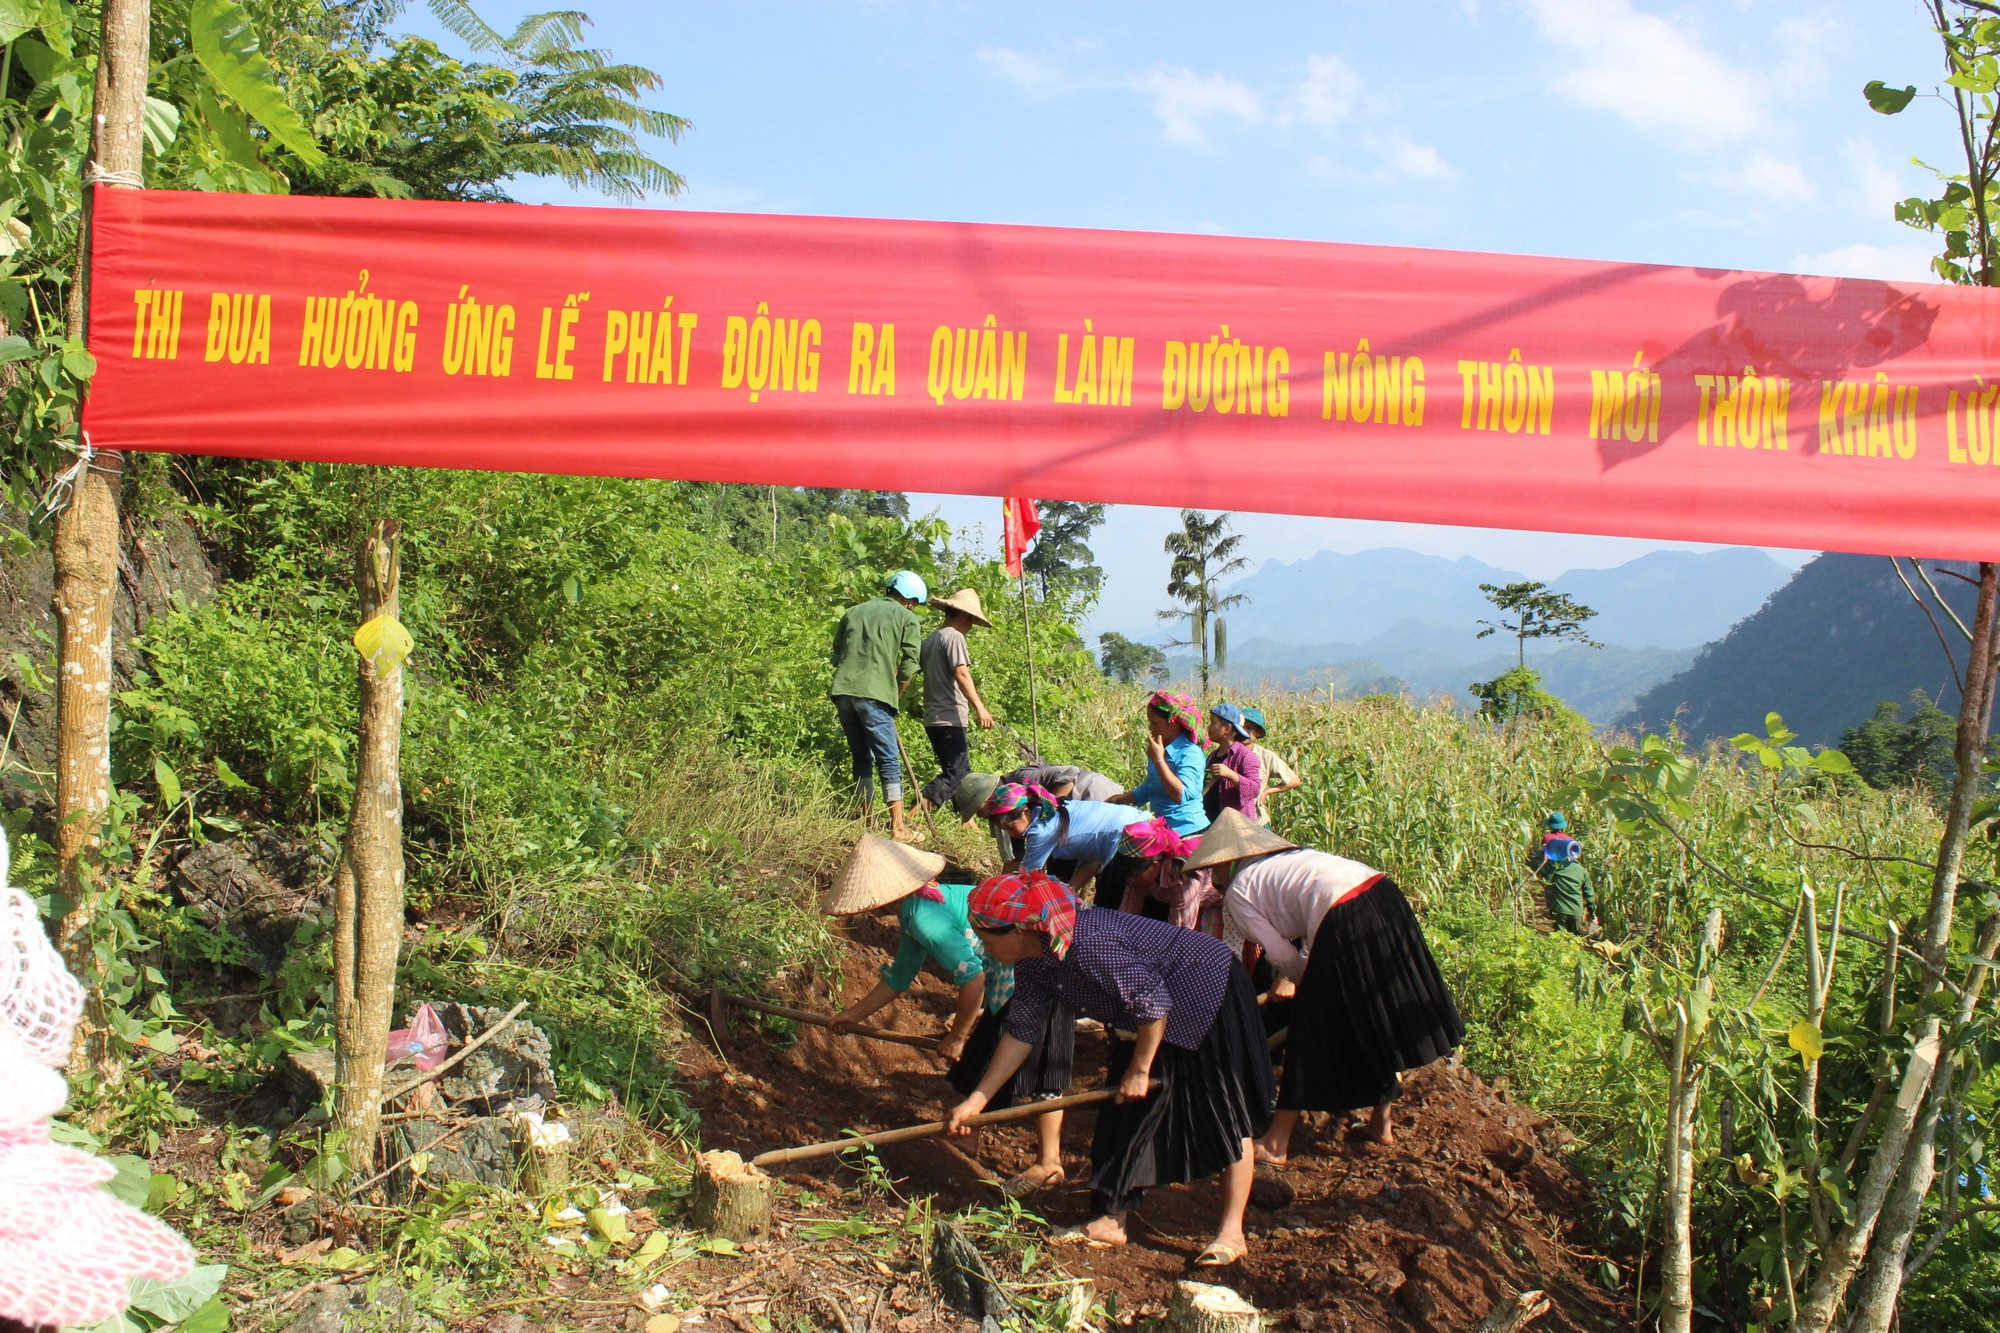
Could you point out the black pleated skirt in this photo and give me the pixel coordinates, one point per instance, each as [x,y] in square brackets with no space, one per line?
[1210,1100]
[1371,1005]
[1047,1072]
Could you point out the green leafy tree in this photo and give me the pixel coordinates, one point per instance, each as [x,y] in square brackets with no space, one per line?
[1128,661]
[400,118]
[1531,611]
[1517,693]
[1906,745]
[1061,553]
[1204,552]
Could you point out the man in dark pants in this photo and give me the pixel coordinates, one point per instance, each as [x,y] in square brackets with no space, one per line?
[874,658]
[948,690]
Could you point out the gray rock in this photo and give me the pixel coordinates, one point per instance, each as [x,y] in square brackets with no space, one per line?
[963,1277]
[370,1307]
[514,1070]
[227,890]
[159,568]
[483,1152]
[511,1323]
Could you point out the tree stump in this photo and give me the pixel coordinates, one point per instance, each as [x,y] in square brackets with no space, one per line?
[1198,1307]
[732,1198]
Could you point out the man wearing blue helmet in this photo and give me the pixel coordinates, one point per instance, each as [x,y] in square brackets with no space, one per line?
[874,658]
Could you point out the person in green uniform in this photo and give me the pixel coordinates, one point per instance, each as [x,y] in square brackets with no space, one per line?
[1565,882]
[874,658]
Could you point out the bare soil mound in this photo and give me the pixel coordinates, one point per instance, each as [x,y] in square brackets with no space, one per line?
[1473,1203]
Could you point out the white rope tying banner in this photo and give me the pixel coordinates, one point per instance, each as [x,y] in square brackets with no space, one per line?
[57,497]
[92,174]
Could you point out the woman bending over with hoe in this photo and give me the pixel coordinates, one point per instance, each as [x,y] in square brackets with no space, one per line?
[1370,1002]
[1198,1035]
[881,874]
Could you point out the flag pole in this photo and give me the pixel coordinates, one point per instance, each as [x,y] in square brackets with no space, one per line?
[1028,637]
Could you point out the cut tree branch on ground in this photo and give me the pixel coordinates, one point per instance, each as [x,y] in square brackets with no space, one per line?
[1515,1315]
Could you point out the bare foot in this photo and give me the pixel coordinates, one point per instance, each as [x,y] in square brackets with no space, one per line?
[1265,1156]
[1379,1129]
[1100,1233]
[1106,1230]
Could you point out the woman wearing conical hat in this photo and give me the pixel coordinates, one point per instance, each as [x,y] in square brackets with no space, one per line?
[1370,1002]
[935,928]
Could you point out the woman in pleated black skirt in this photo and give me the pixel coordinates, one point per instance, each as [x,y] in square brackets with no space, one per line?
[1191,1087]
[1371,1003]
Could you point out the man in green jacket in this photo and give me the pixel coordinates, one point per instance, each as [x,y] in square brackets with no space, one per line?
[874,659]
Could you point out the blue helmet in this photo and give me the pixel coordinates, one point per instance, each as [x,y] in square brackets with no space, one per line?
[905,584]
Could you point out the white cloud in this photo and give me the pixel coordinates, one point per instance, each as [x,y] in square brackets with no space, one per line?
[1907,262]
[1184,101]
[1324,96]
[1767,180]
[1416,159]
[1649,73]
[1878,186]
[1031,74]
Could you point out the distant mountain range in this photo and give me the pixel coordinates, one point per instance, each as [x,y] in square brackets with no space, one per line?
[1840,637]
[1396,619]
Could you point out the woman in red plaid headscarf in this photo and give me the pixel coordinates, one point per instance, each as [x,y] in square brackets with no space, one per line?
[1193,1083]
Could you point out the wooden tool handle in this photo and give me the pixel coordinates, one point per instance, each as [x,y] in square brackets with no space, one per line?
[931,1129]
[826,1021]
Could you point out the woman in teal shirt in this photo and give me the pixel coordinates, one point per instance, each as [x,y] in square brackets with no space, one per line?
[937,928]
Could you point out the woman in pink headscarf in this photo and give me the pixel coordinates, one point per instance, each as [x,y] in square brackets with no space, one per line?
[1189,899]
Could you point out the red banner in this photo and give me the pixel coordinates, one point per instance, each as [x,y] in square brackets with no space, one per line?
[1283,376]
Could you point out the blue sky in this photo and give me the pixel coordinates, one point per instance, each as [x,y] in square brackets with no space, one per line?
[1729,133]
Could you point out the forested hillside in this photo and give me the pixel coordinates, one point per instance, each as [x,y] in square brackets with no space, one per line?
[1841,637]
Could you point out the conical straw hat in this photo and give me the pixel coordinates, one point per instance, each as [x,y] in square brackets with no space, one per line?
[966,600]
[878,871]
[1231,838]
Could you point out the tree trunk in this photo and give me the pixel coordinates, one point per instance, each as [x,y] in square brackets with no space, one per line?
[732,1198]
[86,568]
[368,883]
[1882,1278]
[1885,1177]
[1683,1102]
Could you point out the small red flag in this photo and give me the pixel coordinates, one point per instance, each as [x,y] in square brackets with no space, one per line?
[1022,523]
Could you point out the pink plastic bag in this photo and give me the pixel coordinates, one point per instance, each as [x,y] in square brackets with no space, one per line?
[424,1039]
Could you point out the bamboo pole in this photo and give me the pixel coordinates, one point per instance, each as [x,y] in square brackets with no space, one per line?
[933,1128]
[826,1021]
[1028,638]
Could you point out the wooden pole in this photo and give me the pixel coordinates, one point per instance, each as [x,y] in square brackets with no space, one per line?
[85,547]
[826,1021]
[931,1129]
[1028,638]
[910,785]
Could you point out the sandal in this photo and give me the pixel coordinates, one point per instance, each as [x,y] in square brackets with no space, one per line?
[1022,1184]
[1220,1254]
[1261,1157]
